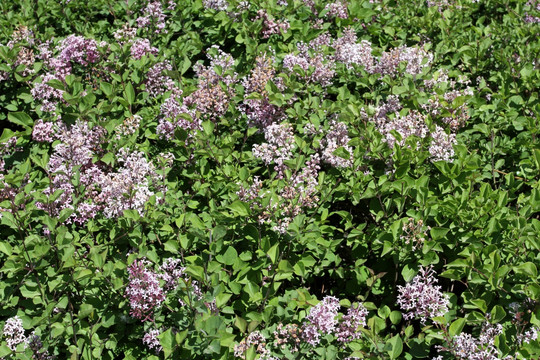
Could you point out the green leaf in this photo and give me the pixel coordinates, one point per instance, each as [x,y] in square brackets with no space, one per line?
[230,256]
[106,88]
[21,118]
[438,232]
[273,253]
[497,314]
[397,347]
[240,208]
[129,94]
[395,317]
[457,326]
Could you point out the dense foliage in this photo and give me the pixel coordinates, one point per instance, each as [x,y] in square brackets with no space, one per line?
[299,179]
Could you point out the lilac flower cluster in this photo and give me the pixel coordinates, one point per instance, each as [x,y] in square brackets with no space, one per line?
[129,126]
[176,115]
[215,90]
[151,340]
[441,147]
[321,318]
[74,49]
[466,347]
[271,26]
[101,188]
[279,146]
[157,82]
[259,111]
[218,5]
[35,344]
[125,33]
[337,137]
[347,329]
[46,94]
[317,67]
[337,9]
[26,58]
[438,104]
[74,153]
[128,187]
[154,16]
[13,332]
[43,131]
[6,148]
[532,19]
[525,333]
[21,35]
[143,291]
[255,339]
[171,272]
[422,297]
[142,47]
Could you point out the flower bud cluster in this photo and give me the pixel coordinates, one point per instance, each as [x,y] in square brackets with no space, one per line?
[153,15]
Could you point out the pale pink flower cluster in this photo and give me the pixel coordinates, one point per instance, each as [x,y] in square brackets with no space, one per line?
[142,47]
[337,137]
[315,65]
[129,186]
[270,25]
[288,335]
[215,89]
[337,9]
[259,111]
[13,332]
[422,297]
[323,319]
[129,126]
[157,82]
[176,115]
[466,347]
[255,339]
[74,49]
[46,94]
[218,5]
[43,131]
[442,144]
[143,291]
[151,340]
[279,144]
[21,35]
[154,16]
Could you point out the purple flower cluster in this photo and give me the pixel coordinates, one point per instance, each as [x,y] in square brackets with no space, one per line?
[46,94]
[218,5]
[271,26]
[337,9]
[321,318]
[442,145]
[279,146]
[215,89]
[153,15]
[157,82]
[422,297]
[171,272]
[466,347]
[129,126]
[13,332]
[347,329]
[337,137]
[43,131]
[21,35]
[142,47]
[258,109]
[143,291]
[101,188]
[315,65]
[74,49]
[176,115]
[151,340]
[74,153]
